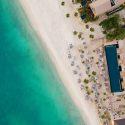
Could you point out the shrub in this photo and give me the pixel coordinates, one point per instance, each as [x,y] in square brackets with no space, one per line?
[80,35]
[113,28]
[86,81]
[92,29]
[75,32]
[91,36]
[94,73]
[75,14]
[78,1]
[63,3]
[67,15]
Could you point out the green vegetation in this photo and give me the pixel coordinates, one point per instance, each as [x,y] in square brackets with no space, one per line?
[95,18]
[67,15]
[94,73]
[88,92]
[75,32]
[86,11]
[63,3]
[91,36]
[75,14]
[89,16]
[87,87]
[92,29]
[104,99]
[113,28]
[86,81]
[78,1]
[89,75]
[80,35]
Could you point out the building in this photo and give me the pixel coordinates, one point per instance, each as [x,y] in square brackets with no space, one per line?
[113,68]
[102,6]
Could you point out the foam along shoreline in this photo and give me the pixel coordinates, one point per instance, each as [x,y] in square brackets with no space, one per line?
[50,25]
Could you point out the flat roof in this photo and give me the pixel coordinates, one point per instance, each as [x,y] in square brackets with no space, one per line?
[101,6]
[113,68]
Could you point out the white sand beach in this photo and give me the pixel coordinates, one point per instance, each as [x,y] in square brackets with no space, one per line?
[55,30]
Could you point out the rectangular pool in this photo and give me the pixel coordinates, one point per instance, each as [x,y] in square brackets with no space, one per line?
[113,68]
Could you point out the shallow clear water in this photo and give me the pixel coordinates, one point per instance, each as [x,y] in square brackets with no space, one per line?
[31,92]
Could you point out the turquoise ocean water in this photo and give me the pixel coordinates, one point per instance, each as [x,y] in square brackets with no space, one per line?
[31,92]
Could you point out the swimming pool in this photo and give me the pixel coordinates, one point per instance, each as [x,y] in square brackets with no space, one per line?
[113,68]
